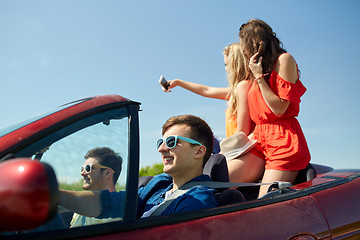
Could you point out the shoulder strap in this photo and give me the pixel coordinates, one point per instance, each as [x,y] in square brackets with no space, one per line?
[180,191]
[277,184]
[186,187]
[227,184]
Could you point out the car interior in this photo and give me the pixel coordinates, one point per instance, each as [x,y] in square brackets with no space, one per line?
[216,168]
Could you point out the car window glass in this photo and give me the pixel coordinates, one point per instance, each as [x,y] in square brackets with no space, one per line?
[67,155]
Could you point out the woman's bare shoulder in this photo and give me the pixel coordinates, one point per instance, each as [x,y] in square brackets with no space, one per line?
[286,58]
[243,84]
[286,67]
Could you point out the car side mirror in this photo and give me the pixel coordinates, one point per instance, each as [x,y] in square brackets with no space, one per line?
[29,194]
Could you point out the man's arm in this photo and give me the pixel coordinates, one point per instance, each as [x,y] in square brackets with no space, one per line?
[86,203]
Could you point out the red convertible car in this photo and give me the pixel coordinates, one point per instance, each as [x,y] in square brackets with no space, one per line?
[46,151]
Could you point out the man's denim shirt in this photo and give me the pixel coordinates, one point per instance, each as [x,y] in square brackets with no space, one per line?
[198,197]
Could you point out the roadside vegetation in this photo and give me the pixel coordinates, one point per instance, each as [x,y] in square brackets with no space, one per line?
[153,170]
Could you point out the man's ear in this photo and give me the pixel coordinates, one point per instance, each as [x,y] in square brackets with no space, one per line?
[200,153]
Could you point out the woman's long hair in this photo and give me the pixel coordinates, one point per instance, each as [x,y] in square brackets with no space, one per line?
[257,36]
[235,73]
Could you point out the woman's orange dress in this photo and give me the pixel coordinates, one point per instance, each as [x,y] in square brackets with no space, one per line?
[281,141]
[230,123]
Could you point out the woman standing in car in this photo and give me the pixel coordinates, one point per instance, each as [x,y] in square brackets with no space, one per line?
[273,99]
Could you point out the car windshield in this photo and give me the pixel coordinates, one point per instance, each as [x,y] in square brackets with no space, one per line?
[67,155]
[21,124]
[65,149]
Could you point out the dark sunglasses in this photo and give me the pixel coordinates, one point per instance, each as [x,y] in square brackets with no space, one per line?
[242,27]
[171,141]
[89,167]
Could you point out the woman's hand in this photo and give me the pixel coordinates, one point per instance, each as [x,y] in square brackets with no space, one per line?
[255,65]
[170,84]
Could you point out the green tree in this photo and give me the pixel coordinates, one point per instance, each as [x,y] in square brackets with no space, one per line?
[77,186]
[153,170]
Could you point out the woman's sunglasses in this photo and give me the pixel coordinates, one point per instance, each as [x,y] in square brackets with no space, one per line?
[242,27]
[89,167]
[171,141]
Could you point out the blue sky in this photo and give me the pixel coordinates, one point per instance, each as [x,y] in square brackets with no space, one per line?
[53,52]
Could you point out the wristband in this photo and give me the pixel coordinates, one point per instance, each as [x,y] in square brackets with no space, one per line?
[261,76]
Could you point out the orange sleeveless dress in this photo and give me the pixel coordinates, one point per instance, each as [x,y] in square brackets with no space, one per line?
[281,141]
[230,123]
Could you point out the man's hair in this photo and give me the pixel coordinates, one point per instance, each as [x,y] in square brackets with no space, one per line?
[200,131]
[107,157]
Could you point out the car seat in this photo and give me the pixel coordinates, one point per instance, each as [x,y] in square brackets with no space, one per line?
[144,180]
[216,168]
[305,175]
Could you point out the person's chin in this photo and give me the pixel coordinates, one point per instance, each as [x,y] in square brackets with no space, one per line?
[170,169]
[167,169]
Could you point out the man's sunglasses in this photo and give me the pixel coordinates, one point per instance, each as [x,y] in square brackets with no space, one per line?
[171,141]
[89,167]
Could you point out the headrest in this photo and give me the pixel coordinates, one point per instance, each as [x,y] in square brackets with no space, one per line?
[216,168]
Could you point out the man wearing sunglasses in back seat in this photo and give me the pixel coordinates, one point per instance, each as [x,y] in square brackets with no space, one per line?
[186,146]
[101,170]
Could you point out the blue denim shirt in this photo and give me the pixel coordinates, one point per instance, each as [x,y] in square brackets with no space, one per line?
[198,197]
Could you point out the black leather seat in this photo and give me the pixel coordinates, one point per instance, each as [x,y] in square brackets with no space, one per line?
[305,175]
[216,168]
[229,196]
[144,180]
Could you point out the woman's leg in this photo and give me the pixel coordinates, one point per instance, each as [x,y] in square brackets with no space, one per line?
[271,176]
[247,168]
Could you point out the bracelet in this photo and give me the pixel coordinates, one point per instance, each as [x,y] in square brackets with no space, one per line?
[261,76]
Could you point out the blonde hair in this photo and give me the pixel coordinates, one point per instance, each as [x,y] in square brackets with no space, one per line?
[236,72]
